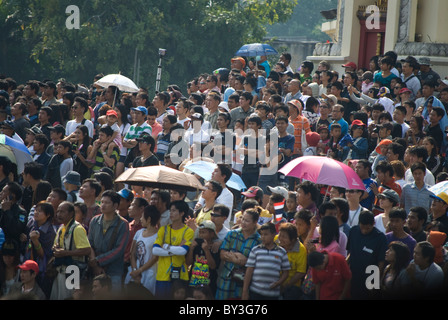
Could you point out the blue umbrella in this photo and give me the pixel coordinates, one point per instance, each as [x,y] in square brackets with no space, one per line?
[439,187]
[16,151]
[256,49]
[204,169]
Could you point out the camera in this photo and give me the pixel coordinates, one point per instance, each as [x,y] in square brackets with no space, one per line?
[162,52]
[199,241]
[315,241]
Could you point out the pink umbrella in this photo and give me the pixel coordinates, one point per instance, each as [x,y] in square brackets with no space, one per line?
[323,170]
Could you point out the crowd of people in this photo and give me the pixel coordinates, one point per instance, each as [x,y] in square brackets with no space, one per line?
[280,237]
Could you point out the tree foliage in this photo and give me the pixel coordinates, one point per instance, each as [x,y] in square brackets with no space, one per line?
[305,21]
[199,35]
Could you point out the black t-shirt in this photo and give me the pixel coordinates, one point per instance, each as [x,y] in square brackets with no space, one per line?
[151,161]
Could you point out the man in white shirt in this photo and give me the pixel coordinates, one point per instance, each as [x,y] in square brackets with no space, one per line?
[80,107]
[419,154]
[410,79]
[221,174]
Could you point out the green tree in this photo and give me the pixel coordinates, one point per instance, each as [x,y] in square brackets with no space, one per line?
[305,21]
[199,35]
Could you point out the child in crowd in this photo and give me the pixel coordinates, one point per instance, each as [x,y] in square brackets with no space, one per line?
[116,139]
[266,268]
[291,205]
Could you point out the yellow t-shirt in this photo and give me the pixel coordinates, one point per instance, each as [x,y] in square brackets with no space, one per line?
[297,259]
[174,238]
[80,240]
[265,216]
[204,215]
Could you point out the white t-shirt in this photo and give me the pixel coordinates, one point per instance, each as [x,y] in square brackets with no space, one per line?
[379,223]
[353,218]
[71,126]
[429,177]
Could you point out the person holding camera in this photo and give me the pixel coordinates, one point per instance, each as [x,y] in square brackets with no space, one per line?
[172,244]
[203,256]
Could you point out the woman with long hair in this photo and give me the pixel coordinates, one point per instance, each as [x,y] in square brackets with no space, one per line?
[434,161]
[397,257]
[414,136]
[81,149]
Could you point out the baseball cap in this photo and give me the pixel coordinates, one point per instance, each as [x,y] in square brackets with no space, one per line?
[224,105]
[141,109]
[441,196]
[8,123]
[424,61]
[33,130]
[296,103]
[145,137]
[253,192]
[312,138]
[239,59]
[112,113]
[383,91]
[30,265]
[57,128]
[384,142]
[350,65]
[279,190]
[389,194]
[126,194]
[404,90]
[358,123]
[331,97]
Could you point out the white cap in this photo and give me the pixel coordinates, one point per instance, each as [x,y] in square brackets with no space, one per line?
[279,190]
[224,106]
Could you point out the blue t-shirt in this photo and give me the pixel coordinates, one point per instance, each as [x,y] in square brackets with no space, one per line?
[409,241]
[368,202]
[286,142]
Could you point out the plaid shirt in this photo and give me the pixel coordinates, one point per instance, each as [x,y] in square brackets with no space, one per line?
[300,123]
[234,242]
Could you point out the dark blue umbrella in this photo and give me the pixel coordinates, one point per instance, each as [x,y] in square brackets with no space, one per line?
[256,49]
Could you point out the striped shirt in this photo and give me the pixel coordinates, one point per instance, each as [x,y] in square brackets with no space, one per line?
[99,159]
[135,131]
[234,242]
[267,264]
[300,123]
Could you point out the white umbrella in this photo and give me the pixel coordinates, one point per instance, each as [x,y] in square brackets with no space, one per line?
[121,82]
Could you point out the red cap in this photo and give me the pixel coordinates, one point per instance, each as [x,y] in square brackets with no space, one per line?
[240,59]
[312,138]
[253,192]
[384,142]
[350,65]
[404,90]
[30,265]
[358,123]
[111,113]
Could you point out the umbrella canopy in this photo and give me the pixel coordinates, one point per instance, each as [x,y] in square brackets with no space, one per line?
[16,151]
[204,169]
[121,82]
[256,49]
[439,188]
[323,170]
[160,177]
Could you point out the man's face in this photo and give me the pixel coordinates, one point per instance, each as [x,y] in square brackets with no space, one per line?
[336,113]
[232,104]
[406,69]
[360,170]
[42,117]
[396,224]
[281,126]
[166,124]
[63,214]
[366,228]
[412,221]
[427,91]
[398,116]
[107,206]
[419,175]
[418,256]
[434,118]
[266,237]
[444,96]
[244,102]
[390,155]
[438,206]
[26,276]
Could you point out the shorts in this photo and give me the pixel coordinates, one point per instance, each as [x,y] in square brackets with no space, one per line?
[122,159]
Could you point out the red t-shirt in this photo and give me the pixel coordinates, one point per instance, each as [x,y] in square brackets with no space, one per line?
[332,279]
